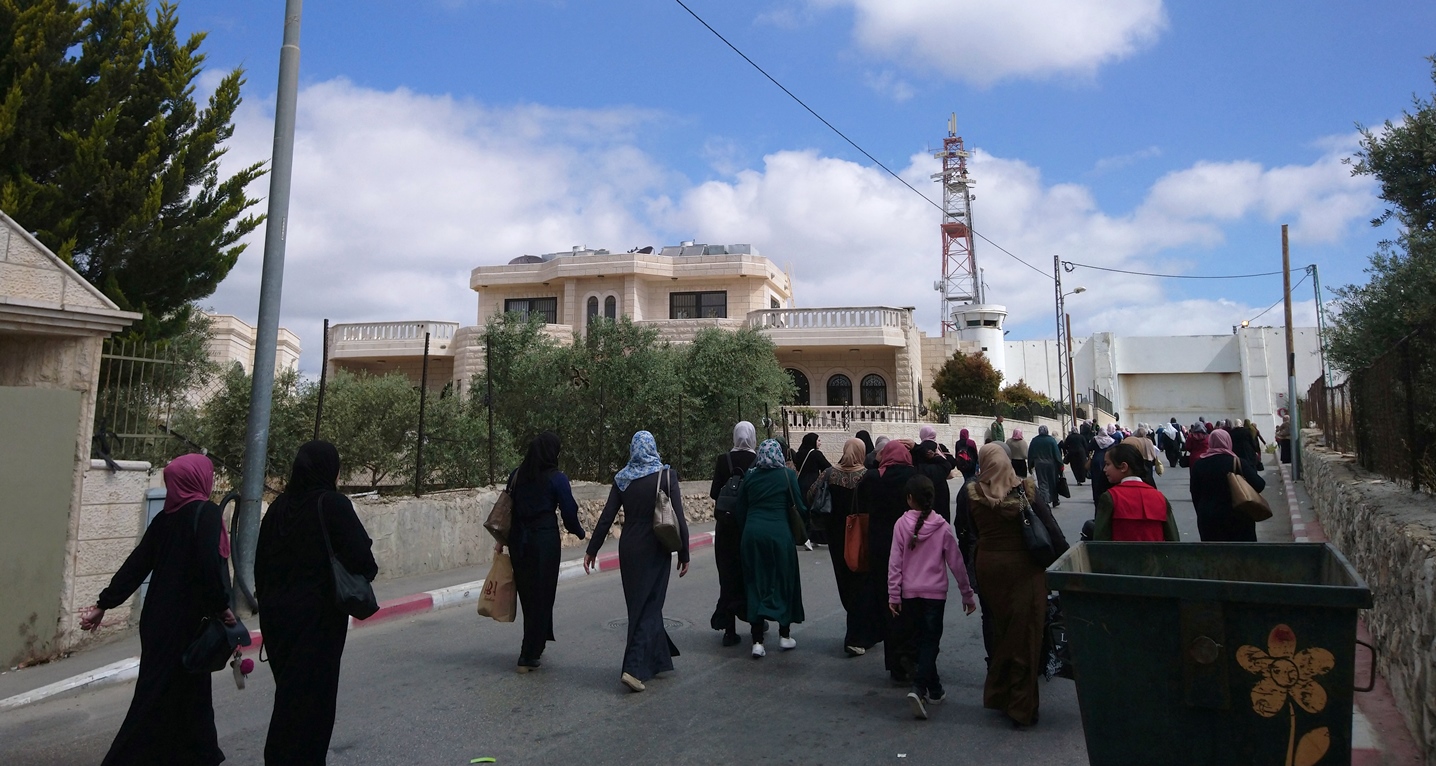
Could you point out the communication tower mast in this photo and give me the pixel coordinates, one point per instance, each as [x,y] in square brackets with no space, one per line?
[960,282]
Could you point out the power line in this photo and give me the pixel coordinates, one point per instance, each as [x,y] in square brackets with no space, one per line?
[844,136]
[1069,265]
[1283,298]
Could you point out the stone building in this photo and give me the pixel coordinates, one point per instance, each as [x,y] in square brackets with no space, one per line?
[231,340]
[67,522]
[865,357]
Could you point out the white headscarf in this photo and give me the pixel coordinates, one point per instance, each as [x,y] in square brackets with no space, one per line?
[745,437]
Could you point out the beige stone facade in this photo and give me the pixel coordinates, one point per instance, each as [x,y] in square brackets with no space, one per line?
[231,340]
[679,292]
[52,326]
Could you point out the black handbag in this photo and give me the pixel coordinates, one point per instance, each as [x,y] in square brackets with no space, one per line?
[352,593]
[1062,488]
[1035,535]
[216,642]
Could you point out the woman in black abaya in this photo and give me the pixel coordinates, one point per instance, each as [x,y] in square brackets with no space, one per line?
[304,630]
[171,717]
[728,535]
[538,488]
[642,561]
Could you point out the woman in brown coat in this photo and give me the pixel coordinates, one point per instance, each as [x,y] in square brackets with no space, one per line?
[1012,585]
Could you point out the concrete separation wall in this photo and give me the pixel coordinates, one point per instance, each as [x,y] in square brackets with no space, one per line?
[1389,534]
[445,530]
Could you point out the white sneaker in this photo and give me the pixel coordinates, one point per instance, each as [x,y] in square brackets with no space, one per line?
[759,651]
[787,642]
[808,544]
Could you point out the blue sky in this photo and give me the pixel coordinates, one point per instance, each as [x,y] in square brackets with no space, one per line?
[437,135]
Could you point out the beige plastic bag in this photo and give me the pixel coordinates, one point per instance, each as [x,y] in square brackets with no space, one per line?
[500,597]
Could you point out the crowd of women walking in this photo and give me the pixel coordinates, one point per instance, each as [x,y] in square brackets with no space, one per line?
[893,528]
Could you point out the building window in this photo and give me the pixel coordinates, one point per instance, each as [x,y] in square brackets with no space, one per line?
[874,391]
[712,305]
[802,397]
[525,307]
[840,391]
[610,307]
[592,307]
[774,302]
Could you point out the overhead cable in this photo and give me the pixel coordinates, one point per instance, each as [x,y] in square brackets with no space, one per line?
[844,136]
[1069,265]
[1280,300]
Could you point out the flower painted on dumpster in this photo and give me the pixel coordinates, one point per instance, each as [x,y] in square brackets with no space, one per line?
[1289,681]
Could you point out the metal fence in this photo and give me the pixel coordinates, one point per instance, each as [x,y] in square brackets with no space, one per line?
[142,388]
[1385,414]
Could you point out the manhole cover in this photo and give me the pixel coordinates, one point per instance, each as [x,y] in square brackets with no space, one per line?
[669,623]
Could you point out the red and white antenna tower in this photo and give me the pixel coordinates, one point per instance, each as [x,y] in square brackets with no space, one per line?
[960,279]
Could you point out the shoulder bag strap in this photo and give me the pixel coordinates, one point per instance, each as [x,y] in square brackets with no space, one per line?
[731,471]
[323,527]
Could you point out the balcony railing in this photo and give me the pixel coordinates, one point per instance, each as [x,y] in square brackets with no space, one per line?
[367,331]
[829,318]
[800,418]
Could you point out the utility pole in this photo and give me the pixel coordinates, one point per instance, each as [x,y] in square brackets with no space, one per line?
[423,400]
[1290,357]
[323,381]
[261,391]
[1064,353]
[1071,377]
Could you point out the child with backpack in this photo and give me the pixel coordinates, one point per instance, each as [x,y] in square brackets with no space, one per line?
[924,549]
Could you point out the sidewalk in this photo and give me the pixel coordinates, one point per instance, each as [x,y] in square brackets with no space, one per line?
[118,661]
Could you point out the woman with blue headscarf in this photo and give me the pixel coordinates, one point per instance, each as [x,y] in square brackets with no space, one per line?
[770,556]
[643,562]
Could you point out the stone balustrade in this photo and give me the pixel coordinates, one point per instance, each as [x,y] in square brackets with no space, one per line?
[839,418]
[846,317]
[391,331]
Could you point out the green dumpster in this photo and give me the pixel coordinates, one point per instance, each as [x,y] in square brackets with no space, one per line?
[1212,653]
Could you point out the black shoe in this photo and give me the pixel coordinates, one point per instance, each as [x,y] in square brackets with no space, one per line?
[526,664]
[731,639]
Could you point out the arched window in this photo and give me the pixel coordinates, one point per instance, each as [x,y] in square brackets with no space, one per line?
[592,307]
[610,307]
[874,391]
[803,398]
[840,391]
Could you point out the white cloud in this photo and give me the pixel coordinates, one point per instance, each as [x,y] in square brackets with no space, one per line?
[397,196]
[1108,164]
[983,42]
[890,85]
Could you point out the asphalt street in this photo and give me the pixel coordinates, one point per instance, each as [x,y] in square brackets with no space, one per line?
[440,688]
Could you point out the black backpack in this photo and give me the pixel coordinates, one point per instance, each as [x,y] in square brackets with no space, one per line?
[727,502]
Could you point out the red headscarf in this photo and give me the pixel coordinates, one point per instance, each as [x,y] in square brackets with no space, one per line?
[189,478]
[893,453]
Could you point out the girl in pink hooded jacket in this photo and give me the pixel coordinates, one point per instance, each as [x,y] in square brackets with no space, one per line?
[923,550]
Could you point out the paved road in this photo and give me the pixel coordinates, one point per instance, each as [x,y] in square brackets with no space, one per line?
[441,689]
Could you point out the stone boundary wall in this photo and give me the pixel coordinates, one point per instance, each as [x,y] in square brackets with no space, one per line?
[445,530]
[111,522]
[1389,535]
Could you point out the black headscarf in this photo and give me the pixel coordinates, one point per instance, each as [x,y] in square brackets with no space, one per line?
[919,452]
[867,439]
[316,469]
[542,457]
[810,443]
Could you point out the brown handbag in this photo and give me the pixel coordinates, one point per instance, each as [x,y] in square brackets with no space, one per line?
[855,542]
[501,518]
[1245,499]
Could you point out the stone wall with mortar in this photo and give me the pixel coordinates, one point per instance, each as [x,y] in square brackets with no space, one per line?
[110,524]
[445,530]
[1388,534]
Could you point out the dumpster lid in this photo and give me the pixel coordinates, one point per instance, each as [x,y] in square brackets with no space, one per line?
[1312,574]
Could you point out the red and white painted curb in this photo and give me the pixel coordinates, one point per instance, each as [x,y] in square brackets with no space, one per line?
[392,609]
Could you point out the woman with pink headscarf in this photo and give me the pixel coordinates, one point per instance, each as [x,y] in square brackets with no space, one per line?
[883,496]
[1217,520]
[171,717]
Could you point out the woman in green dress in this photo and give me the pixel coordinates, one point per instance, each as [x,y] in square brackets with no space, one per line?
[770,555]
